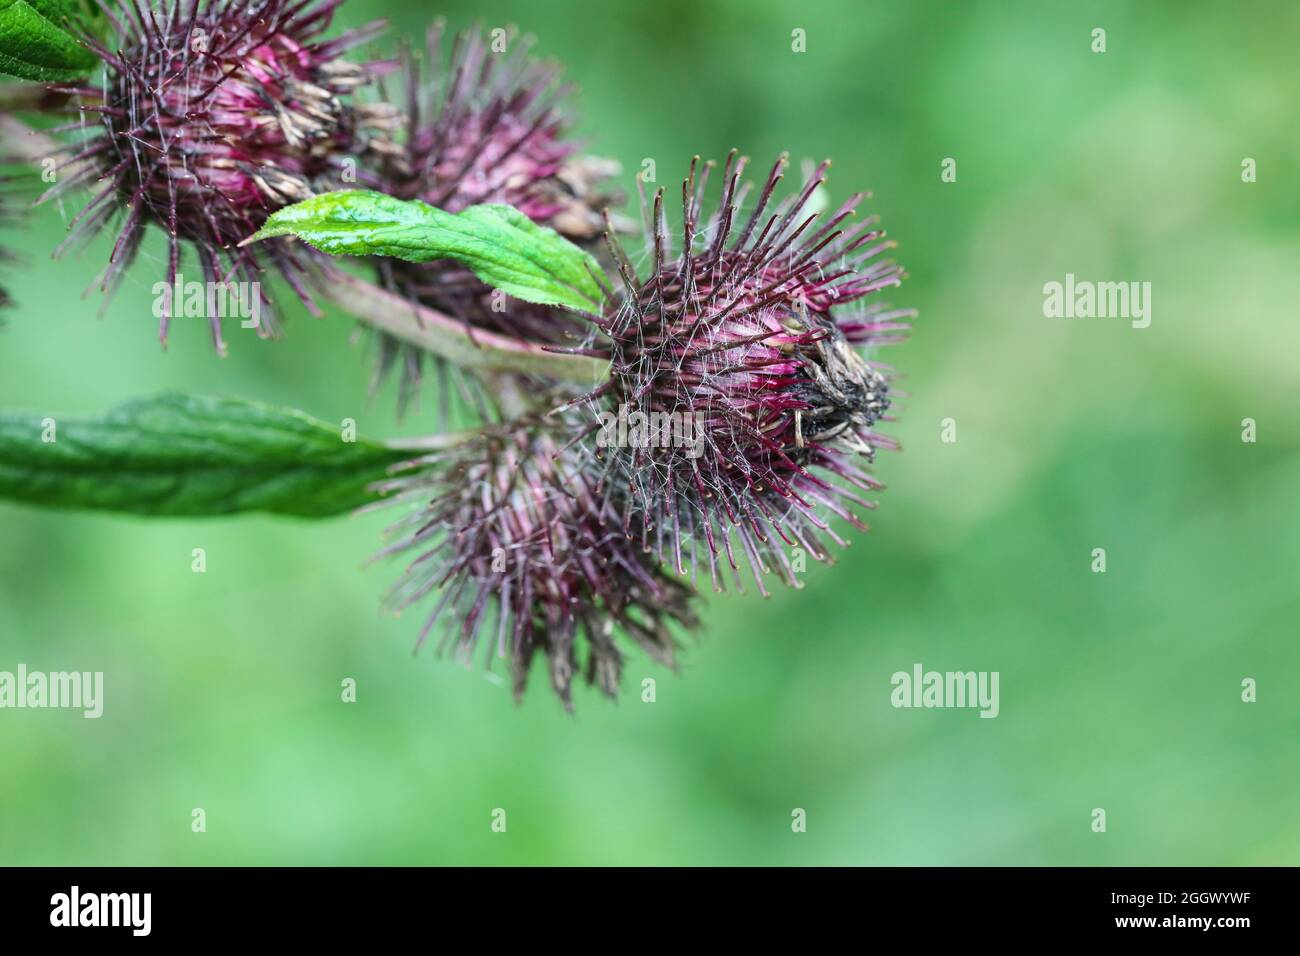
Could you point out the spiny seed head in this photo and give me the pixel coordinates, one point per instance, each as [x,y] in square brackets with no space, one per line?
[750,334]
[489,128]
[213,114]
[527,556]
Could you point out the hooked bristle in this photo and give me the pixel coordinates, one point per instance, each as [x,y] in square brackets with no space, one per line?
[529,557]
[740,347]
[489,126]
[211,115]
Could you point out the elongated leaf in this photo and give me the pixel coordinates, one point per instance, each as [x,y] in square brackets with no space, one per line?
[501,245]
[35,45]
[184,455]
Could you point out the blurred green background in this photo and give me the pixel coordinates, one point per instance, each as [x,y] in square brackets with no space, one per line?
[1118,690]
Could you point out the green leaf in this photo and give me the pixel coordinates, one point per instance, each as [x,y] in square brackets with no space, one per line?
[501,245]
[35,45]
[182,455]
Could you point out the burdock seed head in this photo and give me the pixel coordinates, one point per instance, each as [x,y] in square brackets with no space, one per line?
[211,115]
[526,556]
[489,125]
[745,343]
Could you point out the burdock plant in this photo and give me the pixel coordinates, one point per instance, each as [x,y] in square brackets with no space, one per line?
[735,343]
[524,550]
[751,329]
[209,117]
[489,127]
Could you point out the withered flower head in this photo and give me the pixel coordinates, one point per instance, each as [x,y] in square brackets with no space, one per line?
[213,114]
[488,127]
[739,358]
[525,556]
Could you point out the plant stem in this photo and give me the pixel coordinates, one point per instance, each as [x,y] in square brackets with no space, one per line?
[505,390]
[432,442]
[22,142]
[452,339]
[30,98]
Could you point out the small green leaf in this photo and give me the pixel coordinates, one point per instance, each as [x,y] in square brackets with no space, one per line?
[35,45]
[183,455]
[501,245]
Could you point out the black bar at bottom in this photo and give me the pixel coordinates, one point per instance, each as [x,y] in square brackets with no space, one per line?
[334,905]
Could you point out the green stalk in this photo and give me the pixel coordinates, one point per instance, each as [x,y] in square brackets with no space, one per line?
[451,339]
